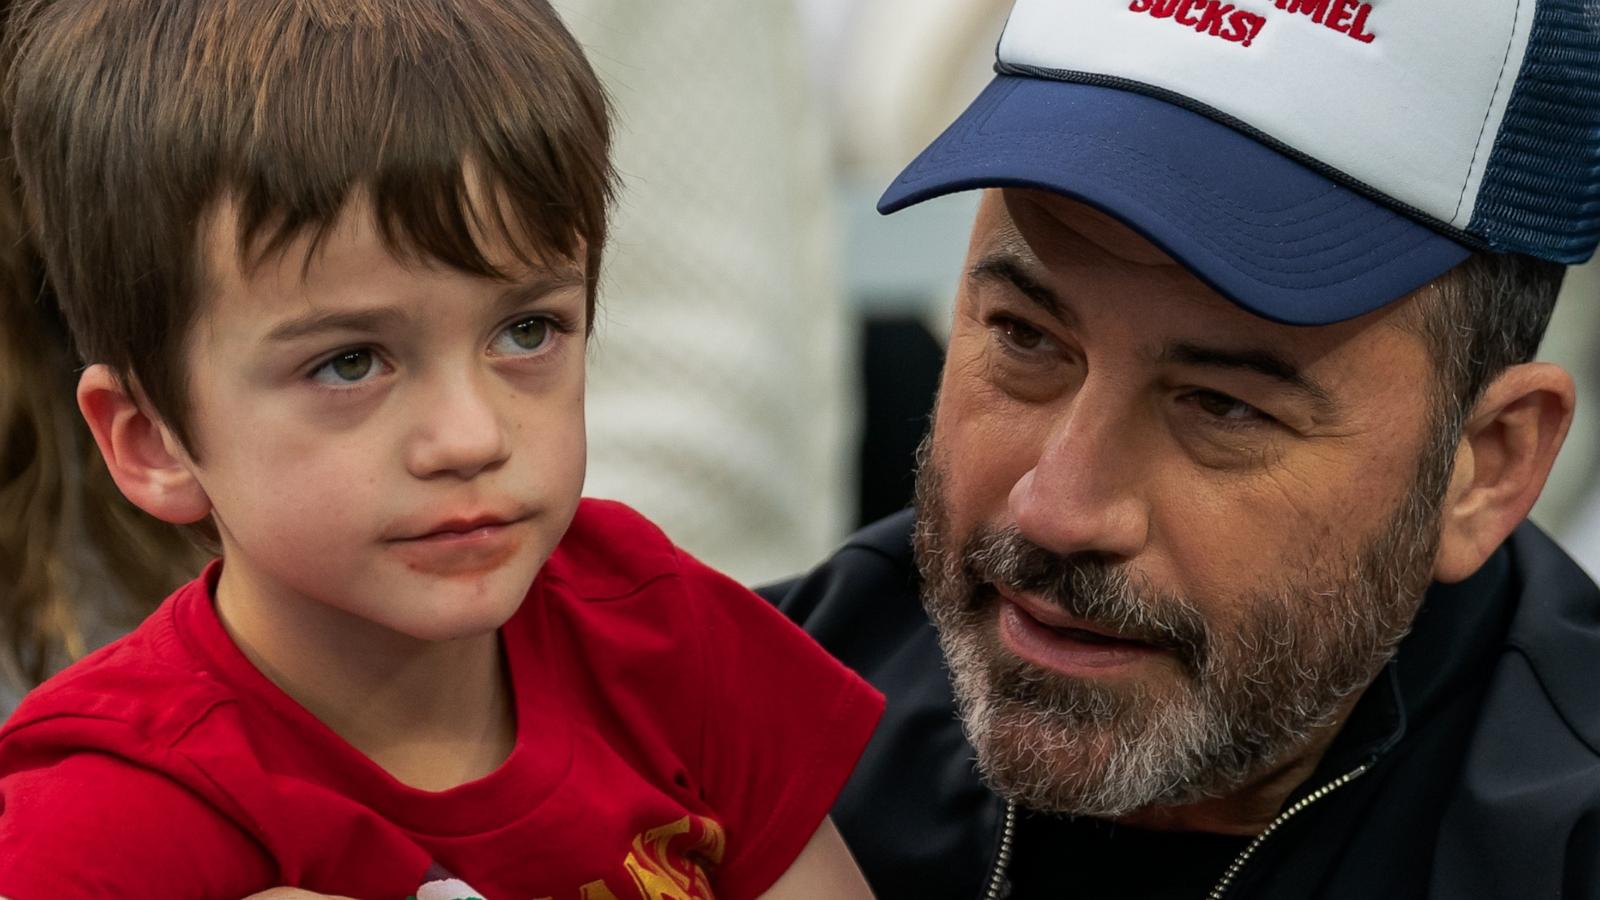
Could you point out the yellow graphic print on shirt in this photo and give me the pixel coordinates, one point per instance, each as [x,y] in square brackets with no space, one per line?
[668,863]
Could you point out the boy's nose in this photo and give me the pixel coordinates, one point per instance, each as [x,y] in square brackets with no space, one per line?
[458,432]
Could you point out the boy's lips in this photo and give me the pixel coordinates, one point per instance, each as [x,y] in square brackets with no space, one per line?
[461,545]
[435,528]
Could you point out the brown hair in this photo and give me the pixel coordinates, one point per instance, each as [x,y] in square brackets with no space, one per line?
[1488,314]
[129,121]
[60,512]
[133,119]
[1477,320]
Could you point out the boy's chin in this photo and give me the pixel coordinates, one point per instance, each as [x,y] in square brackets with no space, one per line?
[456,608]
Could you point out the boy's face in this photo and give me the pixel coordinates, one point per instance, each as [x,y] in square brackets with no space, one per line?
[400,442]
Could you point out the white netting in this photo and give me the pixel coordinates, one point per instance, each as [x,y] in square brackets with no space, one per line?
[718,400]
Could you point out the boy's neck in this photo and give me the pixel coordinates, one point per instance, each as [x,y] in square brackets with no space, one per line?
[433,714]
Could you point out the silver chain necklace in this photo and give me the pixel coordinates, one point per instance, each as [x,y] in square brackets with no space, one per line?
[1008,836]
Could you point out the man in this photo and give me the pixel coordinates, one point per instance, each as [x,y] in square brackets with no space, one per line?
[1219,523]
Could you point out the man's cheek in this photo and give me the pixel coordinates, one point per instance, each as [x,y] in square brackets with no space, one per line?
[1308,506]
[981,463]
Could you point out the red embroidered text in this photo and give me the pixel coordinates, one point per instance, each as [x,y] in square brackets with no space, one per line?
[1344,16]
[1213,17]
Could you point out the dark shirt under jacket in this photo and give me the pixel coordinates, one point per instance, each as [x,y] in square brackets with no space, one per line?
[1482,740]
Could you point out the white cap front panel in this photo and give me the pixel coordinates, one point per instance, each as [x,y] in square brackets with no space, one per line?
[1405,96]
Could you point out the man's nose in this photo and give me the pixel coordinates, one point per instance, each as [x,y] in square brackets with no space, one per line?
[1083,493]
[459,430]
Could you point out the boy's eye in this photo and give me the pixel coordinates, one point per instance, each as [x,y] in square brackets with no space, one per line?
[523,337]
[351,367]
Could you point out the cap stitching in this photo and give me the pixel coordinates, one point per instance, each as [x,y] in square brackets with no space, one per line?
[1222,204]
[1499,79]
[929,164]
[1337,176]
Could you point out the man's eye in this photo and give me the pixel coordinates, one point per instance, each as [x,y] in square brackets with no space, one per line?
[523,337]
[1231,411]
[350,367]
[1020,334]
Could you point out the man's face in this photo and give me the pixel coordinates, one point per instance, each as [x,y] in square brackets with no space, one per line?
[395,444]
[1165,541]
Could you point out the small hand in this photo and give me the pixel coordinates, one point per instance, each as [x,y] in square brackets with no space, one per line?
[288,894]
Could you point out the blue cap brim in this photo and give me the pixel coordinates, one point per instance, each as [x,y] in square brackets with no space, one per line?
[1271,234]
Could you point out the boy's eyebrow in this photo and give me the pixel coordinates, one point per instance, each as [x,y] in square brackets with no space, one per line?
[371,320]
[336,320]
[538,288]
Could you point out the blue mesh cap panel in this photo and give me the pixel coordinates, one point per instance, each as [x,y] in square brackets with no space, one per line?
[1541,192]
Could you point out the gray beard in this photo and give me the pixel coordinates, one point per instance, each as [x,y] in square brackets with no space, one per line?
[1249,696]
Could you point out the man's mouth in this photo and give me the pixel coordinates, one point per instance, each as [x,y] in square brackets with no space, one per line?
[1047,635]
[1089,637]
[1058,620]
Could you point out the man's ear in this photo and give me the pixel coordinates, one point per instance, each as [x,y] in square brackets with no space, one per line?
[1507,447]
[146,461]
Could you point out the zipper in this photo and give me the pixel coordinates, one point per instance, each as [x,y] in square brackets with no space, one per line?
[1002,860]
[1239,862]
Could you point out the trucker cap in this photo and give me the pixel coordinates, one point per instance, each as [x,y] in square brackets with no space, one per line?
[1312,160]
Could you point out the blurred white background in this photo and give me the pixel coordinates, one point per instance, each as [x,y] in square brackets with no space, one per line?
[766,337]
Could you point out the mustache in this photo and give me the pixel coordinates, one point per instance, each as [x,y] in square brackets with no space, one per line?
[1089,587]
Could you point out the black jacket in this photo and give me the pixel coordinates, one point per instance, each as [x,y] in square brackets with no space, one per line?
[1478,749]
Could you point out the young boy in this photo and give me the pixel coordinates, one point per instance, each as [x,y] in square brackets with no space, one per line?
[332,263]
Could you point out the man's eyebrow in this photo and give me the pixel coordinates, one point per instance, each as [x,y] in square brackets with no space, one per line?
[377,319]
[1262,362]
[1008,268]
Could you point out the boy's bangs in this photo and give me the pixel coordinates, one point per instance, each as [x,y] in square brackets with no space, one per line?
[474,131]
[475,128]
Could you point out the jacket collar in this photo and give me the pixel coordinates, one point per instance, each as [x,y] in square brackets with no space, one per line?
[1455,637]
[1557,630]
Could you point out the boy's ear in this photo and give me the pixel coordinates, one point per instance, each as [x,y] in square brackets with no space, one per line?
[148,464]
[1507,448]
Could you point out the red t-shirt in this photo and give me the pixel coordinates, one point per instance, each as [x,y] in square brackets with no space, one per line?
[675,736]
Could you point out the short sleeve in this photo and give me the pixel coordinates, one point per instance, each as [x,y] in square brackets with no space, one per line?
[784,726]
[95,826]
